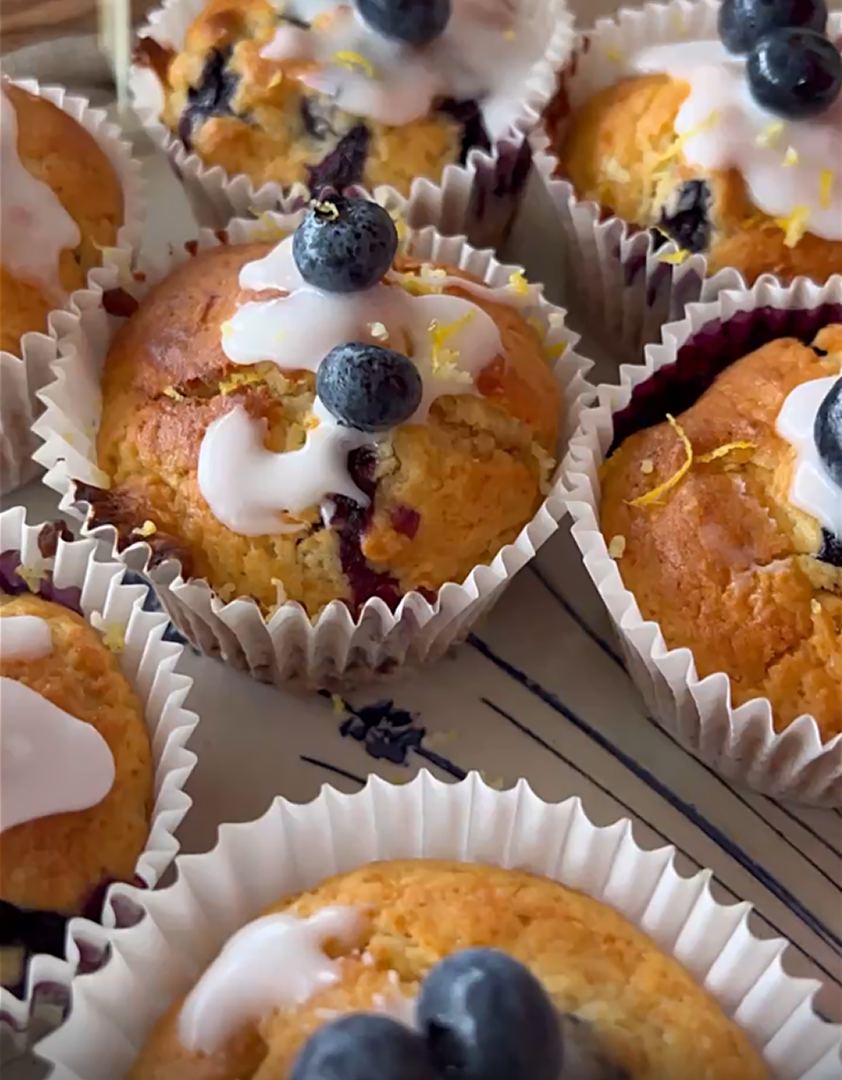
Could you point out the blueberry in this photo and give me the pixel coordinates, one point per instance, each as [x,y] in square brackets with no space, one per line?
[687,218]
[831,549]
[368,387]
[414,22]
[212,97]
[795,73]
[363,1047]
[828,432]
[743,22]
[486,1017]
[345,245]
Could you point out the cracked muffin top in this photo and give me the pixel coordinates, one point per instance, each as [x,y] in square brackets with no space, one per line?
[60,202]
[726,523]
[731,148]
[329,94]
[420,970]
[323,420]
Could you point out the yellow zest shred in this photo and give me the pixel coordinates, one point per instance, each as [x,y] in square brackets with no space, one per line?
[655,494]
[794,226]
[148,528]
[674,258]
[825,188]
[338,705]
[267,229]
[617,547]
[771,135]
[113,636]
[445,360]
[791,157]
[429,279]
[518,283]
[33,574]
[647,466]
[326,209]
[226,328]
[237,379]
[355,61]
[722,451]
[171,392]
[553,352]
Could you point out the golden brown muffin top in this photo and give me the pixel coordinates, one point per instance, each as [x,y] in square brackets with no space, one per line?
[653,1018]
[723,562]
[57,862]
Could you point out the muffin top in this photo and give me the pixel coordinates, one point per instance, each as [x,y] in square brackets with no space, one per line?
[60,202]
[263,421]
[726,523]
[337,94]
[735,155]
[626,1010]
[77,789]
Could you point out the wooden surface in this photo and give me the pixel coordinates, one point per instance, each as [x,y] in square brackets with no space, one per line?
[25,22]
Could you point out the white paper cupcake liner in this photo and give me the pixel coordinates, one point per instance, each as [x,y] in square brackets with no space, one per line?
[623,286]
[481,197]
[292,848]
[23,375]
[149,661]
[741,743]
[335,650]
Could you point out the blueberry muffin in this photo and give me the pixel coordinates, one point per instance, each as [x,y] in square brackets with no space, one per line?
[324,420]
[60,202]
[329,95]
[411,969]
[726,519]
[77,786]
[732,149]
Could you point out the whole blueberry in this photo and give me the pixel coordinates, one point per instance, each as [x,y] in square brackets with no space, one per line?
[414,22]
[344,245]
[795,73]
[368,387]
[828,432]
[743,22]
[486,1017]
[364,1047]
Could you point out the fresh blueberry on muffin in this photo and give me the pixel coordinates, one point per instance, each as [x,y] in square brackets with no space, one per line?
[327,420]
[731,148]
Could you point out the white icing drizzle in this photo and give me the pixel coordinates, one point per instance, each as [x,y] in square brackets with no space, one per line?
[276,962]
[24,637]
[790,166]
[812,488]
[484,48]
[249,487]
[50,762]
[34,226]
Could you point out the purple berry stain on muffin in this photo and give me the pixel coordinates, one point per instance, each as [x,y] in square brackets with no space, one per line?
[212,97]
[687,217]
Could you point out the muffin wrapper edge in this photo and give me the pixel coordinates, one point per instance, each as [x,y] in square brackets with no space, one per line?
[22,376]
[334,651]
[622,284]
[479,198]
[292,848]
[739,742]
[150,663]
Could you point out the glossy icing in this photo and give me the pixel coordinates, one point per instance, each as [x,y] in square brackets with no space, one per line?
[812,488]
[34,226]
[276,962]
[790,166]
[24,637]
[50,762]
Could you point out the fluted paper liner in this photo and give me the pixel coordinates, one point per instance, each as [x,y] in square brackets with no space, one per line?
[150,663]
[741,743]
[623,286]
[23,375]
[335,649]
[479,199]
[292,848]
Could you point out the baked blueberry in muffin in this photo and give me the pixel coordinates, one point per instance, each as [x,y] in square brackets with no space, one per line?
[429,970]
[337,94]
[725,517]
[733,149]
[325,420]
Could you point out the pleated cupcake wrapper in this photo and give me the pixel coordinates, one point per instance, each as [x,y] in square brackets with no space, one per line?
[292,848]
[480,197]
[624,287]
[23,375]
[149,662]
[739,742]
[335,650]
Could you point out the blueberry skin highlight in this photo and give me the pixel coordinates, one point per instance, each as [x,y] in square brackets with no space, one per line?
[344,245]
[795,73]
[486,1017]
[414,22]
[367,387]
[743,22]
[364,1047]
[828,432]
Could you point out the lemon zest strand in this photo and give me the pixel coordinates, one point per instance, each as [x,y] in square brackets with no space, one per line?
[825,188]
[354,61]
[655,494]
[726,448]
